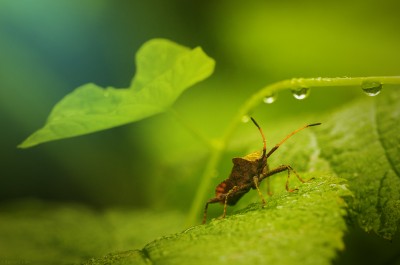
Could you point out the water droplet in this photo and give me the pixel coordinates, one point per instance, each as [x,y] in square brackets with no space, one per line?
[245,119]
[269,99]
[371,88]
[301,93]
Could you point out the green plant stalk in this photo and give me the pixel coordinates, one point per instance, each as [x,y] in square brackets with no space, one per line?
[219,147]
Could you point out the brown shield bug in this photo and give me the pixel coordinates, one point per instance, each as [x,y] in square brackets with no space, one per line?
[248,172]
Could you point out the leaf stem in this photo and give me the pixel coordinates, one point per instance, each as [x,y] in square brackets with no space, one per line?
[199,201]
[251,103]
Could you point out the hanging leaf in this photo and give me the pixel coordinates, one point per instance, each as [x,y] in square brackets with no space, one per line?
[164,71]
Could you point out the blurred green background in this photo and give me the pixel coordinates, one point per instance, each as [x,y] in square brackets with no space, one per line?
[48,48]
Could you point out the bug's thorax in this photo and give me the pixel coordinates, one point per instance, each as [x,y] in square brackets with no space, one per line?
[243,171]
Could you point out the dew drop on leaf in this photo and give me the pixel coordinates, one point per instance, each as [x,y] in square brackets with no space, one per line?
[269,99]
[301,93]
[245,118]
[371,88]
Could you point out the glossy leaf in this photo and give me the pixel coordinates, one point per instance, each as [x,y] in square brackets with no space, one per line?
[164,71]
[303,227]
[361,142]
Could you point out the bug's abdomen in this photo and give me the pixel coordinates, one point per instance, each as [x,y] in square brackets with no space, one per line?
[223,188]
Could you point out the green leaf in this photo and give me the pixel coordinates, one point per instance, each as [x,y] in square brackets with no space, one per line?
[164,71]
[362,144]
[135,257]
[303,227]
[54,233]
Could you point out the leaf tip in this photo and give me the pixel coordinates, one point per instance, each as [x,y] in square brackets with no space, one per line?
[27,143]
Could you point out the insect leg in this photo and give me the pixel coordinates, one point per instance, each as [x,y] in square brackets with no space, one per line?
[266,170]
[255,179]
[205,213]
[281,169]
[272,172]
[226,200]
[213,200]
[289,168]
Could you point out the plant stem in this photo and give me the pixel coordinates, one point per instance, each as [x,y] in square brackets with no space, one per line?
[199,201]
[251,103]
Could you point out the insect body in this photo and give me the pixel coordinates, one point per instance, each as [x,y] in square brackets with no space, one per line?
[248,172]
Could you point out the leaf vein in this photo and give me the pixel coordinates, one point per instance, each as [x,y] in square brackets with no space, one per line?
[382,143]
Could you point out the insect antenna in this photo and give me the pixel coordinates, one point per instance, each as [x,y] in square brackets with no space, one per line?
[288,136]
[262,135]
